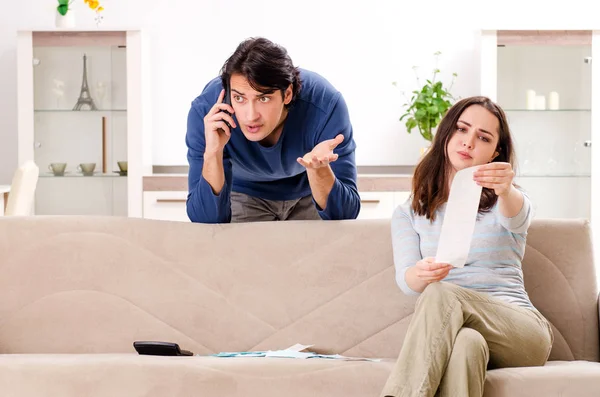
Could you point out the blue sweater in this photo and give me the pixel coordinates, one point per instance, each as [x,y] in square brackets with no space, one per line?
[318,113]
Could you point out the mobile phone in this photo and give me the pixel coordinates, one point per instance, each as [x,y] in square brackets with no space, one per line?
[152,348]
[227,100]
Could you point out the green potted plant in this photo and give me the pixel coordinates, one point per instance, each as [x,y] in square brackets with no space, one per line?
[65,18]
[428,104]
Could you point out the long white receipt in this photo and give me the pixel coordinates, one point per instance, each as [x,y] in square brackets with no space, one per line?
[459,220]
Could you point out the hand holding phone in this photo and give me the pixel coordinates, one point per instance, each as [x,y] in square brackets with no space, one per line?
[218,123]
[227,101]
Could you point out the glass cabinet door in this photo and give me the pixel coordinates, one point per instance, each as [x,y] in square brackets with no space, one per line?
[544,84]
[80,124]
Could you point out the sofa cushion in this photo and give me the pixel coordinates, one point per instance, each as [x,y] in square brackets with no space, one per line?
[555,379]
[129,375]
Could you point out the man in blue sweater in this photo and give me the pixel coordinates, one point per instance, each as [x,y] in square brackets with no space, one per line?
[289,153]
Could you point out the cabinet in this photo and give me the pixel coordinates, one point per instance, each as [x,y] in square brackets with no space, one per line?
[543,81]
[83,119]
[380,205]
[166,205]
[170,205]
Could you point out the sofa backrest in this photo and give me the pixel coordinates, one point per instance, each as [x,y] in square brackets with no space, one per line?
[96,284]
[561,281]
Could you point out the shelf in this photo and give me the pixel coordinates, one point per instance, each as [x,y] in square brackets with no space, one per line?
[79,111]
[548,110]
[80,175]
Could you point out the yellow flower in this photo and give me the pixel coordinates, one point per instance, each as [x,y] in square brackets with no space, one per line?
[94,5]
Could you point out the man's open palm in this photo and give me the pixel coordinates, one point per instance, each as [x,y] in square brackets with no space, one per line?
[322,154]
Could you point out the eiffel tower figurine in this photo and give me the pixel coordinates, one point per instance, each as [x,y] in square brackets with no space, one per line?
[85,99]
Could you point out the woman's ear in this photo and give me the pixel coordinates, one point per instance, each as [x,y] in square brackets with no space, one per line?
[496,154]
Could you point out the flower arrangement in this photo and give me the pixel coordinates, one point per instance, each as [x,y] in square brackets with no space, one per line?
[94,5]
[64,6]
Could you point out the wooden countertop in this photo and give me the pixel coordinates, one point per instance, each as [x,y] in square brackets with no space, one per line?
[366,182]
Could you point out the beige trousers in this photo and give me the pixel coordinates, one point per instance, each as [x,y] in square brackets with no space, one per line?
[456,334]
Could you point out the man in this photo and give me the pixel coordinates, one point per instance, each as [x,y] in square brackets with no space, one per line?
[289,154]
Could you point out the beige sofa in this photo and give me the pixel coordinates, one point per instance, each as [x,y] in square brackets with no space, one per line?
[75,292]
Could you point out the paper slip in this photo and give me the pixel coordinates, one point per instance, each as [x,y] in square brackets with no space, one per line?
[298,347]
[289,354]
[459,220]
[295,351]
[344,358]
[240,354]
[305,355]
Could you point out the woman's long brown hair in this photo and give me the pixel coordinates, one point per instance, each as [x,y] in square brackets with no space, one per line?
[430,185]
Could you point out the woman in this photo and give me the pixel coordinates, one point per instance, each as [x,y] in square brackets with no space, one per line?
[479,316]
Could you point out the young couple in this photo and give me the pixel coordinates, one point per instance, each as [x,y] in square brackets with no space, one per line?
[280,146]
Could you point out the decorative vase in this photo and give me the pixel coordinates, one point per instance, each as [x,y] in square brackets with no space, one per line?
[65,21]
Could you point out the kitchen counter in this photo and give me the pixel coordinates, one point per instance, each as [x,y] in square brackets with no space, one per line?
[370,179]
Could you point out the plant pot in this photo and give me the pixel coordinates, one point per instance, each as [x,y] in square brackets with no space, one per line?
[65,21]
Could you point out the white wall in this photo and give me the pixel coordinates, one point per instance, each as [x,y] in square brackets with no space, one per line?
[360,48]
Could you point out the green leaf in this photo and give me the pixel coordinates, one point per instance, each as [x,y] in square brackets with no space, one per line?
[433,110]
[410,124]
[62,9]
[427,135]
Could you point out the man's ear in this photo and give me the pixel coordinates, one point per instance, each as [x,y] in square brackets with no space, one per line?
[287,96]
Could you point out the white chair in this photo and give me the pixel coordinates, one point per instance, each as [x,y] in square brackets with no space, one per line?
[22,190]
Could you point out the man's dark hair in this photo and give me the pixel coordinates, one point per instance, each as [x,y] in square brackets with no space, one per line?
[266,65]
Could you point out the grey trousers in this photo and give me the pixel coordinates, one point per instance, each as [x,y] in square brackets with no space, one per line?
[245,208]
